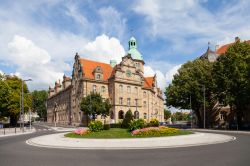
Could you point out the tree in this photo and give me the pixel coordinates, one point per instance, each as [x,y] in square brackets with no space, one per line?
[232,75]
[4,97]
[12,106]
[167,114]
[190,81]
[93,105]
[128,118]
[39,99]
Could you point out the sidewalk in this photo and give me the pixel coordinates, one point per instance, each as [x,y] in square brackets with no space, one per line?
[59,141]
[4,132]
[58,128]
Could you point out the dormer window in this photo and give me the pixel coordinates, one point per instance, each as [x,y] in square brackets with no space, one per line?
[98,73]
[98,76]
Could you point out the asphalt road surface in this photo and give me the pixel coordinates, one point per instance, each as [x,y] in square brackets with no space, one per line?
[15,152]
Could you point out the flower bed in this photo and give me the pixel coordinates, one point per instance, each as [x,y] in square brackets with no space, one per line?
[81,131]
[155,131]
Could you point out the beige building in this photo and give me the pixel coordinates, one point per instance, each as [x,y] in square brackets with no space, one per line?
[123,84]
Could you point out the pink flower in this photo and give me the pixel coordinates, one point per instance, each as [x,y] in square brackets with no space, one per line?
[81,131]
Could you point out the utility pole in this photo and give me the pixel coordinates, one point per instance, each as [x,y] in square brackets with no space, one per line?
[22,104]
[22,109]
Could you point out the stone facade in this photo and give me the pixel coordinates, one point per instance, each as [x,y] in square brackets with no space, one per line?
[123,84]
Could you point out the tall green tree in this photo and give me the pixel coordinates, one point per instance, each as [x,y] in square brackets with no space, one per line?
[39,99]
[167,114]
[190,82]
[13,106]
[93,104]
[4,97]
[232,75]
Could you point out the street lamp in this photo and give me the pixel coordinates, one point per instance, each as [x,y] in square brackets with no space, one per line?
[204,110]
[22,104]
[191,112]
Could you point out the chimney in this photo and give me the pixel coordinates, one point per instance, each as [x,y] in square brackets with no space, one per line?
[237,39]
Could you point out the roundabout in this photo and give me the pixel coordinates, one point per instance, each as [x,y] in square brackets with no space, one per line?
[60,141]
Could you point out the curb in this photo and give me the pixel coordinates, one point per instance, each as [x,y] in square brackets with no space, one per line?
[229,138]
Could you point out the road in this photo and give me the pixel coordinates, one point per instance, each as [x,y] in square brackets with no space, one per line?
[14,151]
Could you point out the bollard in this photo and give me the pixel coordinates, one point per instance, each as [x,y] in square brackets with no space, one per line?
[3,131]
[15,129]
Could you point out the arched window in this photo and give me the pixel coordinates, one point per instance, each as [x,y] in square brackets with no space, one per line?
[120,101]
[98,76]
[128,102]
[145,115]
[121,115]
[144,104]
[129,89]
[103,89]
[136,90]
[156,112]
[136,102]
[144,94]
[94,88]
[136,114]
[111,115]
[120,88]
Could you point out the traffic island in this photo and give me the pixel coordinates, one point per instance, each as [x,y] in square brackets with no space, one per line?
[60,141]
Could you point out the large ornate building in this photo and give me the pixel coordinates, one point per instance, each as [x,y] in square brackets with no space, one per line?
[123,84]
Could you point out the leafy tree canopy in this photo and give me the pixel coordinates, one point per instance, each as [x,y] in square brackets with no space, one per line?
[39,99]
[190,81]
[94,104]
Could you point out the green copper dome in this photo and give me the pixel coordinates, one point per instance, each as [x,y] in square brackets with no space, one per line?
[133,49]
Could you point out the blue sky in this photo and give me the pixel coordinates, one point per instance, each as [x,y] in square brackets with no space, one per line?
[38,39]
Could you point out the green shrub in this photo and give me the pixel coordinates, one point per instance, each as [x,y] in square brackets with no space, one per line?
[116,125]
[128,118]
[137,124]
[95,126]
[106,127]
[154,123]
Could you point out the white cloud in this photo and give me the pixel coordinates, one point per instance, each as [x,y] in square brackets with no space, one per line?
[169,74]
[24,51]
[188,25]
[162,79]
[103,49]
[33,62]
[1,72]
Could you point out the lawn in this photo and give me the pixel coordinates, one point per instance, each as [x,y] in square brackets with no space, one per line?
[120,133]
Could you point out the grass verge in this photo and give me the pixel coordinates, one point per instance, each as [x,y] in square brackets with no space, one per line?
[120,133]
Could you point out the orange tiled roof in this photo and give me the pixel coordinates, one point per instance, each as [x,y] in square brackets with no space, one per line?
[148,82]
[88,67]
[224,48]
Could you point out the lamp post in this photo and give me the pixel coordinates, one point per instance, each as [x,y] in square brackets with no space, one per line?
[204,110]
[22,104]
[191,112]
